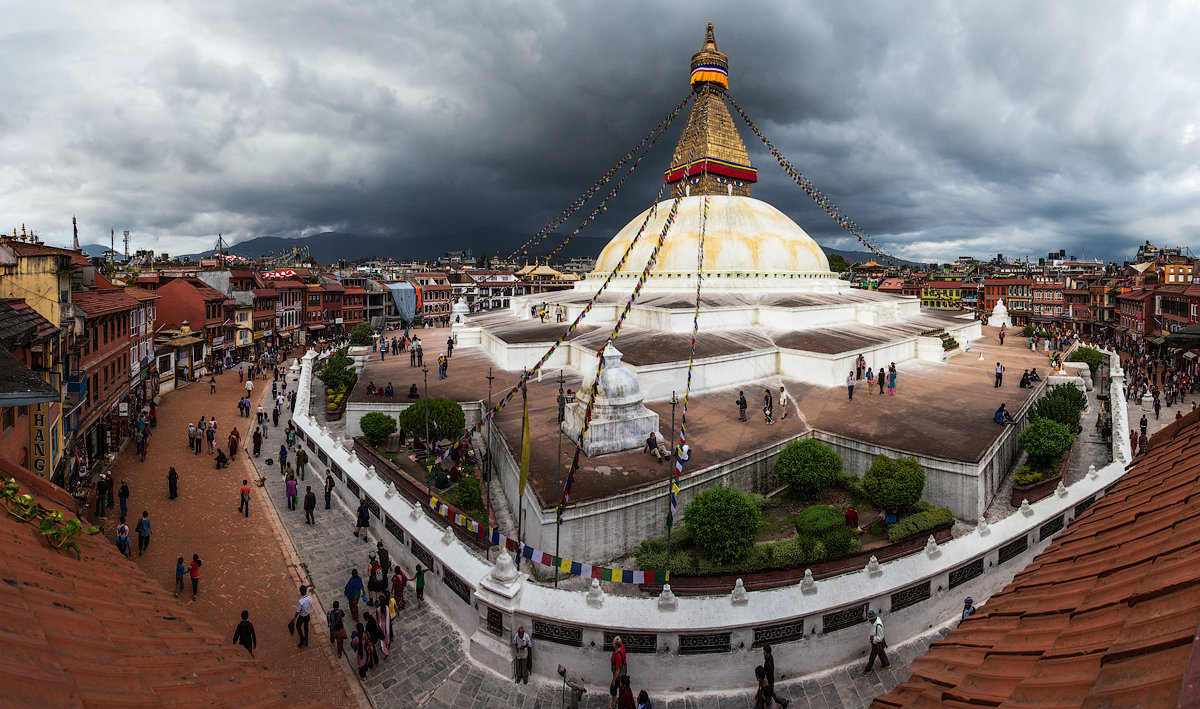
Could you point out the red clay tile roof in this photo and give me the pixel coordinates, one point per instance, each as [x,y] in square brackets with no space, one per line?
[1106,616]
[26,248]
[286,284]
[20,324]
[206,291]
[141,293]
[100,632]
[102,302]
[264,292]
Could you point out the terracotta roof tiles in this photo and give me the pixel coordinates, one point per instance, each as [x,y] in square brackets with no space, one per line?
[103,302]
[1107,615]
[66,645]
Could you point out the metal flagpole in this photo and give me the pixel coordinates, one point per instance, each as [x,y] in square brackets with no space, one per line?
[558,470]
[487,468]
[674,401]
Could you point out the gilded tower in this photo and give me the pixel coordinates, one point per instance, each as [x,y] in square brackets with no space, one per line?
[711,157]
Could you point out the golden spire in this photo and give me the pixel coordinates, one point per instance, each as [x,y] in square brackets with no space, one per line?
[709,65]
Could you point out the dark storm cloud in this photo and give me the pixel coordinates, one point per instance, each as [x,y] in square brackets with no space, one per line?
[941,128]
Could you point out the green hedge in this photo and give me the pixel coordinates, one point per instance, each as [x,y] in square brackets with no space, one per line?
[819,519]
[1092,356]
[920,523]
[782,554]
[724,522]
[808,467]
[1045,441]
[894,485]
[376,427]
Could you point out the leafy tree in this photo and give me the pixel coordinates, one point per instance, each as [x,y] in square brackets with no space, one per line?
[724,522]
[468,495]
[338,371]
[1045,441]
[894,484]
[376,427]
[446,419]
[808,467]
[1057,409]
[362,334]
[837,263]
[1090,355]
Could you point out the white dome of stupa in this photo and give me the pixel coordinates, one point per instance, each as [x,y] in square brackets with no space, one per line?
[744,238]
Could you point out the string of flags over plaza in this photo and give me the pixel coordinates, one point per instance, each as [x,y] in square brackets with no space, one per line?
[811,190]
[646,142]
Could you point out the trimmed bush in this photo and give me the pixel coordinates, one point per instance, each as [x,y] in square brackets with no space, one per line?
[1027,476]
[468,496]
[808,467]
[1056,409]
[920,523]
[894,485]
[819,520]
[1070,394]
[376,427]
[1045,441]
[362,334]
[724,522]
[1092,356]
[446,419]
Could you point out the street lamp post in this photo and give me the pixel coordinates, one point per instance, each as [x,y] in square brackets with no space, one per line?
[674,401]
[558,471]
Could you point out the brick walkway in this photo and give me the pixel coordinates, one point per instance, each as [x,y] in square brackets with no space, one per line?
[429,667]
[245,566]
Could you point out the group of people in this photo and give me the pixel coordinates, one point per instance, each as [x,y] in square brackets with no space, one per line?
[383,594]
[862,371]
[768,407]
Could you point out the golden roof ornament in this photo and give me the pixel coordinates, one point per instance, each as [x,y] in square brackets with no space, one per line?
[709,65]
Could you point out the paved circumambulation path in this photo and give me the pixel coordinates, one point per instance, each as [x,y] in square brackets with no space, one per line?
[428,665]
[244,564]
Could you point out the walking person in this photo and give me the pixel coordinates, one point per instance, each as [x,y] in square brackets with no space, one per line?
[310,505]
[291,490]
[999,375]
[301,459]
[143,532]
[210,435]
[303,610]
[870,380]
[353,592]
[398,582]
[257,439]
[892,381]
[522,644]
[376,580]
[362,521]
[784,402]
[741,404]
[212,385]
[768,407]
[122,538]
[244,634]
[283,456]
[878,643]
[123,498]
[420,585]
[180,572]
[172,483]
[379,627]
[328,488]
[102,489]
[244,505]
[769,672]
[233,443]
[850,386]
[194,572]
[336,620]
[881,379]
[617,662]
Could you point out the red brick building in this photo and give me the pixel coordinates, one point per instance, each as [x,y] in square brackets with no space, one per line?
[1134,308]
[193,301]
[104,356]
[353,307]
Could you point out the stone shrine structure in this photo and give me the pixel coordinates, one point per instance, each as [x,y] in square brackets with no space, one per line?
[620,419]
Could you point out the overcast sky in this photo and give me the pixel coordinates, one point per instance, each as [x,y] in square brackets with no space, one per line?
[942,128]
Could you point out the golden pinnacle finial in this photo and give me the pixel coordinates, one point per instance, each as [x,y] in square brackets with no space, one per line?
[709,66]
[710,42]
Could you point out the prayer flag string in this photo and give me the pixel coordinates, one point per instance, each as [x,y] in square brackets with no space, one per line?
[811,190]
[687,394]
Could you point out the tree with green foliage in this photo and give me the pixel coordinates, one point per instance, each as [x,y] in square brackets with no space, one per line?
[468,496]
[1045,441]
[446,419]
[808,467]
[724,523]
[1089,355]
[362,334]
[338,370]
[894,484]
[837,263]
[1057,409]
[376,427]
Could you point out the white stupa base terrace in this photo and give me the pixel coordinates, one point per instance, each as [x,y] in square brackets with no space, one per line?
[805,336]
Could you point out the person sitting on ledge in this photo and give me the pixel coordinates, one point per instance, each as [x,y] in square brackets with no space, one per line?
[389,391]
[412,392]
[656,446]
[1025,380]
[371,389]
[1034,376]
[1002,417]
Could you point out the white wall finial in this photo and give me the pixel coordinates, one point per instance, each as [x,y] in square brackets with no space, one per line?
[931,548]
[809,584]
[595,594]
[666,600]
[739,595]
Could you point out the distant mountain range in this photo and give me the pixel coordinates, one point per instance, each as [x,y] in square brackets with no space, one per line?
[330,246]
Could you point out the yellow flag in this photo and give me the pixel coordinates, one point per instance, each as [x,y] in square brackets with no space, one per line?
[524,443]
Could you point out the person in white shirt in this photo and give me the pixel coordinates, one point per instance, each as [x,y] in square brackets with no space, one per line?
[522,644]
[784,401]
[878,642]
[303,609]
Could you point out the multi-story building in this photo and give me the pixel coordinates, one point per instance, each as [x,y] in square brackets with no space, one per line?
[142,363]
[264,305]
[289,309]
[104,318]
[1016,292]
[942,294]
[1172,308]
[1048,304]
[495,288]
[435,298]
[1174,270]
[30,416]
[1135,311]
[202,307]
[354,307]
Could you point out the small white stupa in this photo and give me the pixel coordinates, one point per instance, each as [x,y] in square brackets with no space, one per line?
[999,317]
[620,420]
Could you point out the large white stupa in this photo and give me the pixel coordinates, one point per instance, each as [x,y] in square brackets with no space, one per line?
[770,305]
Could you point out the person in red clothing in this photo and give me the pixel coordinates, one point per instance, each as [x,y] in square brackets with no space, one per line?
[194,572]
[233,443]
[619,669]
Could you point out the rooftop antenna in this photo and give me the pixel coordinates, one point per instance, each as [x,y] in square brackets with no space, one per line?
[112,245]
[126,234]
